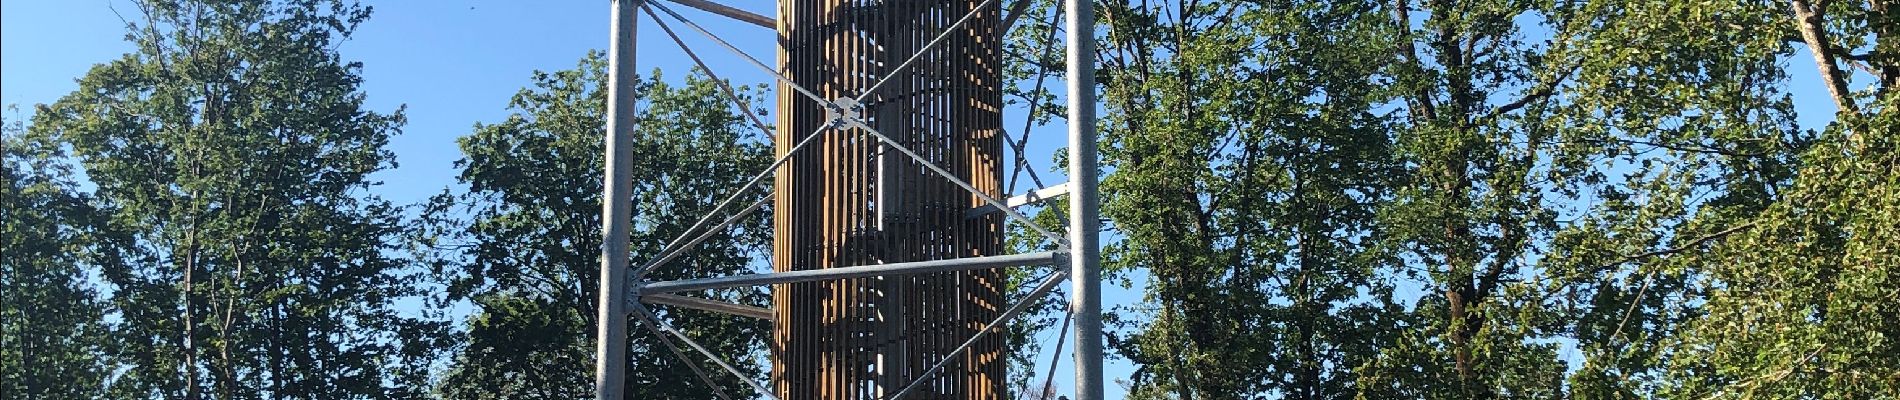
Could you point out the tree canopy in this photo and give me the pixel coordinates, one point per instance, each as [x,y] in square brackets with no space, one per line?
[522,241]
[230,155]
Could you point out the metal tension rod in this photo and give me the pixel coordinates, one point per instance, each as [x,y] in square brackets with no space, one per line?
[1011,212]
[661,329]
[730,12]
[1034,295]
[708,305]
[864,271]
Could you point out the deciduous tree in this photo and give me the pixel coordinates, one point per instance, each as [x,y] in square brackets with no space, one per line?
[523,241]
[52,327]
[234,149]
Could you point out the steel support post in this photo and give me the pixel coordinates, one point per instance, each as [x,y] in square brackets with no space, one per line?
[610,339]
[1084,209]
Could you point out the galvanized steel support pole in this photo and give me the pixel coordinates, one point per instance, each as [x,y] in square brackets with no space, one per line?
[1084,209]
[610,339]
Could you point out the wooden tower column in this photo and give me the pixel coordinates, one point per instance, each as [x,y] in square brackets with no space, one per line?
[845,201]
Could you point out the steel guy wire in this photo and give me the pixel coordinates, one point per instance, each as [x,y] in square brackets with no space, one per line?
[681,354]
[920,52]
[745,107]
[663,326]
[1042,75]
[1048,380]
[894,71]
[1041,290]
[1062,243]
[735,50]
[673,249]
[642,271]
[682,249]
[1029,122]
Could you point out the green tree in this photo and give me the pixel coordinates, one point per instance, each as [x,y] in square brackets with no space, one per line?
[1484,138]
[1469,202]
[1798,301]
[234,148]
[1248,158]
[523,241]
[52,331]
[1549,146]
[1675,125]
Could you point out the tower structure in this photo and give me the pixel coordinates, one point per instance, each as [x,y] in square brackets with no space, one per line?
[888,206]
[853,200]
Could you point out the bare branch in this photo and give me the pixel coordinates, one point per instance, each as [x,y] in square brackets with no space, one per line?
[1543,91]
[1422,99]
[1698,242]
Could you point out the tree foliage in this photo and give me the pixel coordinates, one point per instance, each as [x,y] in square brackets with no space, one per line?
[1247,160]
[1550,181]
[523,241]
[52,331]
[1796,301]
[232,150]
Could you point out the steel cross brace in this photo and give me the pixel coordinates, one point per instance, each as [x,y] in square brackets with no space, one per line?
[1061,243]
[844,113]
[653,323]
[862,271]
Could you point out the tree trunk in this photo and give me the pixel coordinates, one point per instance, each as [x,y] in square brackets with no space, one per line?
[189,365]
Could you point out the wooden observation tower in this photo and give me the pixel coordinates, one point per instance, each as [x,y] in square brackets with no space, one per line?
[888,201]
[851,200]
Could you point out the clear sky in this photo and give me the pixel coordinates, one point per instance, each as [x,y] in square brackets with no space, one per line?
[452,63]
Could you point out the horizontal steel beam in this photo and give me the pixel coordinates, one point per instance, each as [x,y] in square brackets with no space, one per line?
[730,12]
[865,271]
[709,305]
[1037,196]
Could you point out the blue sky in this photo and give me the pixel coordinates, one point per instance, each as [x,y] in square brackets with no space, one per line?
[452,63]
